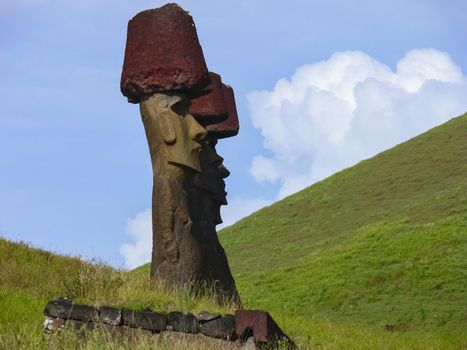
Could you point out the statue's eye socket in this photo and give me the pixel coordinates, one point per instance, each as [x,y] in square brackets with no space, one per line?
[181,107]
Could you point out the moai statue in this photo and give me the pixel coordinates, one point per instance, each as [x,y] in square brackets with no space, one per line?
[165,72]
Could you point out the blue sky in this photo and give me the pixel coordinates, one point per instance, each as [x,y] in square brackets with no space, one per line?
[319,86]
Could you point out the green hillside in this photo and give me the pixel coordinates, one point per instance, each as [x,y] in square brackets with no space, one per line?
[30,277]
[380,243]
[383,242]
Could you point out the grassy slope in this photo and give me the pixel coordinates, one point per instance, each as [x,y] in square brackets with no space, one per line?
[381,242]
[30,277]
[378,243]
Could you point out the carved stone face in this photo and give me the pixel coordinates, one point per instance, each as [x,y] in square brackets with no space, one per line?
[211,180]
[177,132]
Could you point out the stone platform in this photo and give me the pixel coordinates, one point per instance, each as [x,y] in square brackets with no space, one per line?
[247,329]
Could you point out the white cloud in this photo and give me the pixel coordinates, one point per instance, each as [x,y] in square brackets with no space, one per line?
[331,114]
[139,252]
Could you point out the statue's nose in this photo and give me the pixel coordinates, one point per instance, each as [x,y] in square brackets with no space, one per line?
[197,132]
[215,160]
[200,134]
[223,171]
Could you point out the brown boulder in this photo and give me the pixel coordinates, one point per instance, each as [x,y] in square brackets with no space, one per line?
[260,325]
[230,126]
[211,107]
[162,53]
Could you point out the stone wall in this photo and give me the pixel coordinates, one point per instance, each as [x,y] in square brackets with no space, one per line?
[247,329]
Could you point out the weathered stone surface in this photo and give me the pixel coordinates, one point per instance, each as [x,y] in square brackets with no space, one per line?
[128,317]
[179,322]
[84,313]
[152,321]
[260,325]
[162,53]
[185,210]
[175,137]
[205,316]
[125,333]
[59,308]
[110,315]
[211,181]
[79,325]
[52,324]
[211,107]
[205,197]
[163,65]
[223,328]
[249,329]
[230,126]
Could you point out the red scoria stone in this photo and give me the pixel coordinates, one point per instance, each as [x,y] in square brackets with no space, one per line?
[230,126]
[264,329]
[162,53]
[211,107]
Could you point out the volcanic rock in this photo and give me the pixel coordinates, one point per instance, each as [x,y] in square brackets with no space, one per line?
[261,326]
[205,316]
[79,325]
[162,53]
[111,316]
[84,313]
[52,324]
[230,126]
[59,308]
[148,320]
[179,322]
[223,328]
[211,107]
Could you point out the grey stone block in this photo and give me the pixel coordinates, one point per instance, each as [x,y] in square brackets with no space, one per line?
[148,320]
[128,317]
[205,316]
[152,321]
[79,325]
[59,308]
[223,327]
[179,322]
[111,316]
[84,313]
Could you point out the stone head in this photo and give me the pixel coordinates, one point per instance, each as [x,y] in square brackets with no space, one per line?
[169,126]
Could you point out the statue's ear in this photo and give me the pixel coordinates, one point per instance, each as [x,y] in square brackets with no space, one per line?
[167,128]
[161,104]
